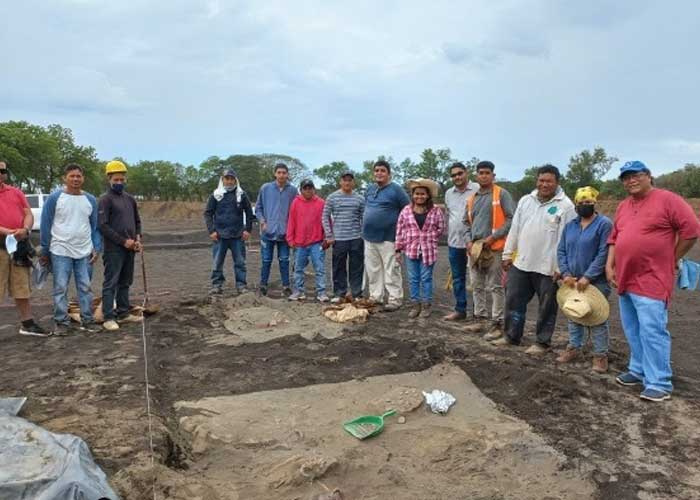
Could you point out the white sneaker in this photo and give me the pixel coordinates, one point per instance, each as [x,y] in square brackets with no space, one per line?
[130,318]
[337,300]
[110,325]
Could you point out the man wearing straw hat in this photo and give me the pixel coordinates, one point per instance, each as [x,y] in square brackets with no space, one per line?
[582,253]
[652,230]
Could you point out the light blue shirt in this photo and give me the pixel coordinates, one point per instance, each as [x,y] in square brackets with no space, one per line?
[272,208]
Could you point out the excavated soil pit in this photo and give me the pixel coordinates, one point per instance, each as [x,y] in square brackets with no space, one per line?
[290,444]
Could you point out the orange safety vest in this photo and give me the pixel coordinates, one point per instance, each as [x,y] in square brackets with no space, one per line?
[498,216]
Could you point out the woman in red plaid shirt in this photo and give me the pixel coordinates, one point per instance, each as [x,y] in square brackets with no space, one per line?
[418,229]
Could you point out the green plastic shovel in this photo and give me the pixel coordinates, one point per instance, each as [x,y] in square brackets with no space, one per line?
[367,426]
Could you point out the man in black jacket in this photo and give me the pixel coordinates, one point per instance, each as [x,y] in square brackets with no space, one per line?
[229,219]
[120,225]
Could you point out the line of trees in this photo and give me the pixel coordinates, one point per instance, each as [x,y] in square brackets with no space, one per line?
[36,156]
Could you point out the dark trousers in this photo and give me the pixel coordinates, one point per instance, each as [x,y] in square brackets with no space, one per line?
[520,288]
[118,276]
[350,252]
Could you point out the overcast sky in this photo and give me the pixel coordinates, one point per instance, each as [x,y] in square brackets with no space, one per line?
[518,82]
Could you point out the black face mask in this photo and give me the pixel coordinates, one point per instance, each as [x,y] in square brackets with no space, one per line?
[585,211]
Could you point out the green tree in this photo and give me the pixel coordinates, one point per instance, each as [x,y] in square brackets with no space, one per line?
[587,169]
[433,164]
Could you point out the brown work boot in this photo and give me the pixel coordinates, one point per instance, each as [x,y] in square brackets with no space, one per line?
[600,364]
[455,316]
[477,326]
[568,355]
[496,332]
[425,310]
[414,312]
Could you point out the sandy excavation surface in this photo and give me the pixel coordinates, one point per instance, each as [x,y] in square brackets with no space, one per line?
[290,444]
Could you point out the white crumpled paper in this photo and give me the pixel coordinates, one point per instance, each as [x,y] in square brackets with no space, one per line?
[439,401]
[11,243]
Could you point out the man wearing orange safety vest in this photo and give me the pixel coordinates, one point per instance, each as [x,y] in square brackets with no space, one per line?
[488,217]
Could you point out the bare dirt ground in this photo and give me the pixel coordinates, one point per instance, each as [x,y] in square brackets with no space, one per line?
[250,394]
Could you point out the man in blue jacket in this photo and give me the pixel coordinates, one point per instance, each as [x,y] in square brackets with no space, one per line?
[229,219]
[272,211]
[71,240]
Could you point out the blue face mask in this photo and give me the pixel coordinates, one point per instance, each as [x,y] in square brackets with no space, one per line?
[118,188]
[229,188]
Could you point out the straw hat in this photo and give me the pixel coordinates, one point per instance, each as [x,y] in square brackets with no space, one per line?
[432,186]
[588,308]
[482,256]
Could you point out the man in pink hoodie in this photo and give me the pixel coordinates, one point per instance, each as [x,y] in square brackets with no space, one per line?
[305,234]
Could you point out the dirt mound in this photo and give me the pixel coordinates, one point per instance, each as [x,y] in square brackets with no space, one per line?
[171,210]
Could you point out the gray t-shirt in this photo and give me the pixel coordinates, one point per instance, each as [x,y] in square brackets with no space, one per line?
[342,216]
[71,231]
[455,205]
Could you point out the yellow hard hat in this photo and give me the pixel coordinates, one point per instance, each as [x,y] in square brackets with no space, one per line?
[115,167]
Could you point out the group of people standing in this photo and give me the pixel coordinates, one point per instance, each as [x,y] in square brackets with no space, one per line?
[75,228]
[563,251]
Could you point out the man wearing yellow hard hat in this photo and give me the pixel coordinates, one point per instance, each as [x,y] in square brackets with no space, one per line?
[120,225]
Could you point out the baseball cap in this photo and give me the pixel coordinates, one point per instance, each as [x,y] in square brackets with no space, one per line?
[307,183]
[346,173]
[229,172]
[632,167]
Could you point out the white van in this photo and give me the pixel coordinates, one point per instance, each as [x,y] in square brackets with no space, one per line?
[36,203]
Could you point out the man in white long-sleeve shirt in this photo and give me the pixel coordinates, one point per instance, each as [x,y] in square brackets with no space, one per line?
[530,258]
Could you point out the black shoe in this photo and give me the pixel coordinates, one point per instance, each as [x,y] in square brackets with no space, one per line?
[61,329]
[286,291]
[263,290]
[216,290]
[90,327]
[32,329]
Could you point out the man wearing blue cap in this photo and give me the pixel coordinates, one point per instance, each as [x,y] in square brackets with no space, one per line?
[653,229]
[229,219]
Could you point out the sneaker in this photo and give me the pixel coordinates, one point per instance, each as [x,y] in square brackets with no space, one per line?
[286,291]
[654,395]
[90,327]
[455,316]
[61,329]
[33,329]
[129,318]
[242,290]
[414,312]
[600,364]
[262,290]
[477,326]
[323,298]
[337,300]
[495,333]
[425,310]
[391,307]
[536,350]
[628,379]
[215,290]
[568,355]
[296,296]
[110,325]
[503,341]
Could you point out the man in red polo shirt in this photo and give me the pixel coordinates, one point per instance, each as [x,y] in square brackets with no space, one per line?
[653,229]
[15,219]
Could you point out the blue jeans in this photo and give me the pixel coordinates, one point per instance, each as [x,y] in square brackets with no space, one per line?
[318,261]
[599,333]
[219,250]
[644,321]
[420,280]
[62,267]
[458,265]
[267,250]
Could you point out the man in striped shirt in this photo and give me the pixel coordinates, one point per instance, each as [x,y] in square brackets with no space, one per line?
[342,225]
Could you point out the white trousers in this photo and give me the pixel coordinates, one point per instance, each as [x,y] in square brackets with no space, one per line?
[383,272]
